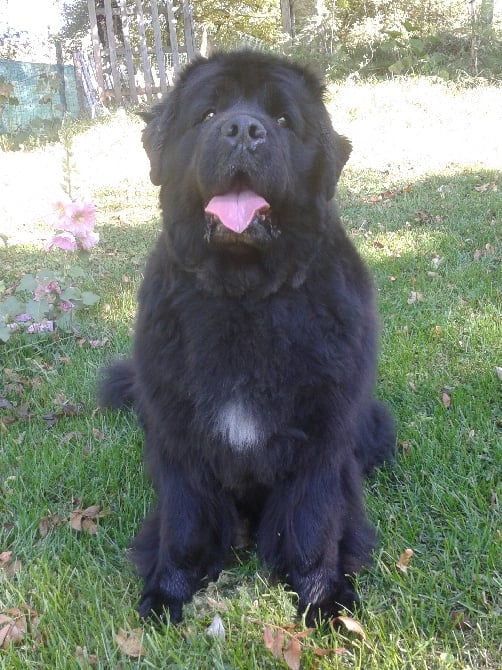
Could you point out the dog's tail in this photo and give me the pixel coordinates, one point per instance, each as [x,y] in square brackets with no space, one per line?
[377,440]
[116,386]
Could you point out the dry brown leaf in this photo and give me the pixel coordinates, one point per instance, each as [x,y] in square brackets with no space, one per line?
[83,519]
[404,560]
[415,296]
[446,400]
[14,624]
[292,654]
[84,658]
[47,523]
[130,642]
[351,625]
[88,526]
[482,188]
[5,558]
[8,565]
[339,651]
[274,641]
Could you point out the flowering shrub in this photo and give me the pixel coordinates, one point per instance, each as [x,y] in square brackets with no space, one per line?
[48,299]
[41,302]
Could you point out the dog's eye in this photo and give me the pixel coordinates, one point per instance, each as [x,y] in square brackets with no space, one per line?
[283,121]
[208,115]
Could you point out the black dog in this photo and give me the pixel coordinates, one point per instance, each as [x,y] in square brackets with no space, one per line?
[254,356]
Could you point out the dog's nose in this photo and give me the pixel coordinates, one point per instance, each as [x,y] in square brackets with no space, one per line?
[244,130]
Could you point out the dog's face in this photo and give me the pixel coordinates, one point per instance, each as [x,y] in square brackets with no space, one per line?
[244,146]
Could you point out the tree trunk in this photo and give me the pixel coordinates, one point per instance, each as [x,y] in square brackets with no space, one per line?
[287,18]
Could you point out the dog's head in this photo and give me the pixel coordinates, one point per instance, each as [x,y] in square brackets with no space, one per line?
[243,147]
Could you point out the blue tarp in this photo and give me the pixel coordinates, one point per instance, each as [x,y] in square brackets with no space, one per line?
[36,87]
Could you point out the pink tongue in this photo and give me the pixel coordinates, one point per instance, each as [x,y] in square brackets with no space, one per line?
[237,210]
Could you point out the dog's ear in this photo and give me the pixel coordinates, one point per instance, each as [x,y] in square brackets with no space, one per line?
[335,153]
[158,121]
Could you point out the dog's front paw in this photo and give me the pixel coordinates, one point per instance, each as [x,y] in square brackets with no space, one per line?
[322,597]
[156,606]
[344,598]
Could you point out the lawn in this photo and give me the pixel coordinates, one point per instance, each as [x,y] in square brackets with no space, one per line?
[421,198]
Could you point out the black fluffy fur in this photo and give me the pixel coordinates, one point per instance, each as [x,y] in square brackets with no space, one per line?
[253,365]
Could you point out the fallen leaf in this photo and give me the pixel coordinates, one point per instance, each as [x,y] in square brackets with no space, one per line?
[83,519]
[498,372]
[130,642]
[387,195]
[415,296]
[493,500]
[216,628]
[482,188]
[8,565]
[14,624]
[339,651]
[274,640]
[405,446]
[292,654]
[446,400]
[422,217]
[351,625]
[84,658]
[404,560]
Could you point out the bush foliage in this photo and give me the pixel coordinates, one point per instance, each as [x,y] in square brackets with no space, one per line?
[447,38]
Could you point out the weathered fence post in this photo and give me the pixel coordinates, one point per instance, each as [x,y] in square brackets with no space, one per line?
[188,27]
[112,51]
[144,50]
[171,21]
[158,47]
[128,52]
[96,50]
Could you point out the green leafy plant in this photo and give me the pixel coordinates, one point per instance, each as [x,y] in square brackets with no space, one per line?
[44,301]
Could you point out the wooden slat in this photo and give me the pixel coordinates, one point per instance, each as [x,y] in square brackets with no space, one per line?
[96,50]
[188,27]
[112,52]
[128,52]
[144,50]
[158,46]
[171,22]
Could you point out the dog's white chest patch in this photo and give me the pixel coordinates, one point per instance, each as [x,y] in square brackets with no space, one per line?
[238,425]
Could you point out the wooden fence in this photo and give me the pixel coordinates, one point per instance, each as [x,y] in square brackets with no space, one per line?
[135,51]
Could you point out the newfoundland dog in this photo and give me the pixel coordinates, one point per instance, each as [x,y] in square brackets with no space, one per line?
[254,353]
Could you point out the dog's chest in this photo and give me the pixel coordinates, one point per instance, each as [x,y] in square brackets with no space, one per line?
[245,370]
[240,424]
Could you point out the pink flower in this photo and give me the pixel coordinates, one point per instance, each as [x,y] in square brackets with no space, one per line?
[81,217]
[61,212]
[21,318]
[42,289]
[89,240]
[74,221]
[62,240]
[41,327]
[66,305]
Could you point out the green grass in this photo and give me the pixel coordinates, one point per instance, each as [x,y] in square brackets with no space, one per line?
[439,297]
